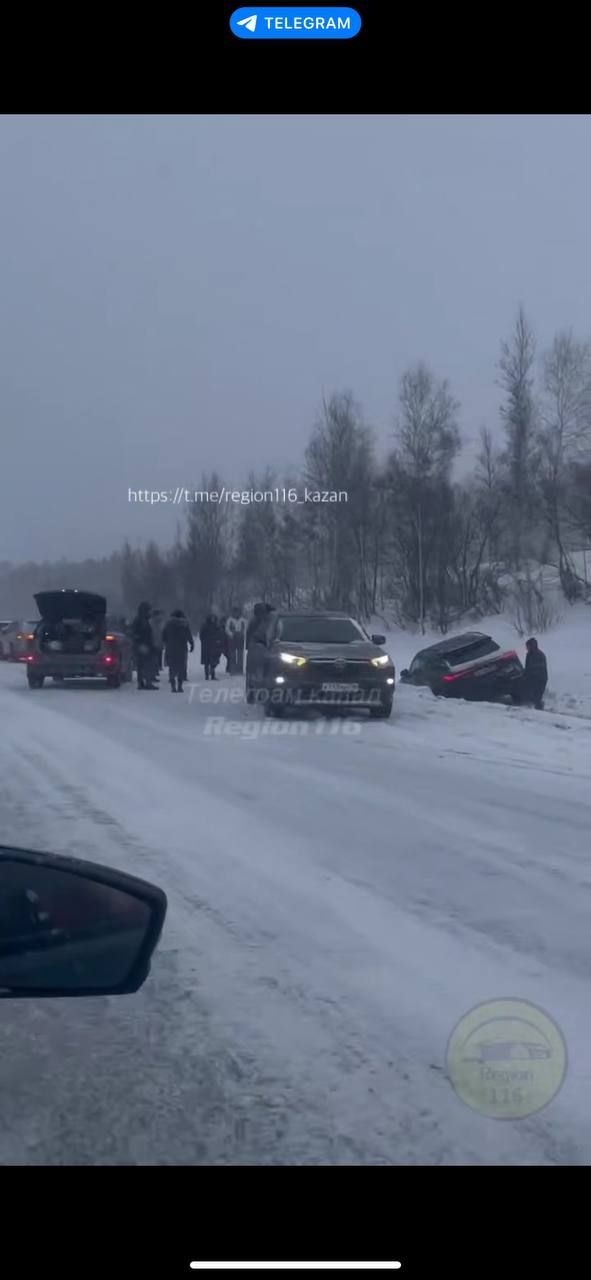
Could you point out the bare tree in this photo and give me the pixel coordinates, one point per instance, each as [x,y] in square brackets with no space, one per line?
[489,490]
[565,435]
[519,417]
[206,551]
[427,442]
[339,460]
[258,528]
[532,610]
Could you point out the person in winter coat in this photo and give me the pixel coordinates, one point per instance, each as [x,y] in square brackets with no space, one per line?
[143,646]
[256,646]
[157,621]
[177,639]
[254,622]
[212,645]
[236,631]
[536,674]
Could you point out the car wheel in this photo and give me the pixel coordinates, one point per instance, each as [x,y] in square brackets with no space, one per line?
[35,682]
[381,713]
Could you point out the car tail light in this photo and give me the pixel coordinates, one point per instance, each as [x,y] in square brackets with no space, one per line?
[30,657]
[510,656]
[110,638]
[458,676]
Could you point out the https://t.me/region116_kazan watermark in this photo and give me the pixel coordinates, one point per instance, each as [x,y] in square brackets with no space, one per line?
[279,494]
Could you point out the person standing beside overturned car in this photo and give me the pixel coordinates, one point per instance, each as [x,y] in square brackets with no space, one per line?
[536,674]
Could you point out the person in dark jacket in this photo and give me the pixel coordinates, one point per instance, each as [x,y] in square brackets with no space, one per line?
[177,639]
[256,647]
[143,646]
[536,674]
[212,645]
[258,614]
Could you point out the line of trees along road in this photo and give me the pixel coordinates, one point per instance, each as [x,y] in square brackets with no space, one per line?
[417,537]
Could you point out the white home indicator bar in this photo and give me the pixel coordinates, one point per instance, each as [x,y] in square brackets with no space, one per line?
[296,1266]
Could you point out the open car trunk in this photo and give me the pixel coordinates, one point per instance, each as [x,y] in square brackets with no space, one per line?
[72,622]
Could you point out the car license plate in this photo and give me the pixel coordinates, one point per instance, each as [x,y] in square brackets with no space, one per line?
[335,687]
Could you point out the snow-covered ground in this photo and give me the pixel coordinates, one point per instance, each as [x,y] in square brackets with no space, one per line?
[340,895]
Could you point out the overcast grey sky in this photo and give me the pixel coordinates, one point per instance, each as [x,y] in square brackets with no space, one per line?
[177,292]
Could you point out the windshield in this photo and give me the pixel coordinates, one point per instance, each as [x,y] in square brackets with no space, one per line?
[320,630]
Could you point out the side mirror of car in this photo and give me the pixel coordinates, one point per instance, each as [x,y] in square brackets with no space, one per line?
[404,674]
[74,928]
[377,639]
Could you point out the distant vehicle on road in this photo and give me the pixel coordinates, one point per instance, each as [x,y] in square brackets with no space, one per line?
[15,637]
[319,659]
[72,642]
[471,665]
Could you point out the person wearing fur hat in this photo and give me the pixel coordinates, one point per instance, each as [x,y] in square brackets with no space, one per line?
[177,640]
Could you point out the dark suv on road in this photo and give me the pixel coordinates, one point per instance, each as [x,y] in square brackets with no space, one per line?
[322,660]
[471,666]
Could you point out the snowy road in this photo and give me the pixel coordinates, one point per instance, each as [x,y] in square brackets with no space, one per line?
[338,900]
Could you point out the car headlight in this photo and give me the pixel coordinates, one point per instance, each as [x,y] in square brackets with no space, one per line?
[384,660]
[292,659]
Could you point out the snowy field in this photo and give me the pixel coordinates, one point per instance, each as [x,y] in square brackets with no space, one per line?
[339,898]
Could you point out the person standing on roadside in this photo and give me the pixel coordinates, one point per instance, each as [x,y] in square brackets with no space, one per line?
[536,674]
[256,648]
[177,639]
[254,621]
[143,646]
[212,644]
[236,631]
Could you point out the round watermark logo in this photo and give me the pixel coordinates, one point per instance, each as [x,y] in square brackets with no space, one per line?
[506,1059]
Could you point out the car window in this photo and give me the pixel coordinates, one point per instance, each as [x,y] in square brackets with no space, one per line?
[436,662]
[319,630]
